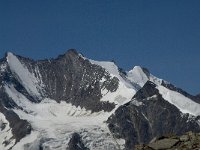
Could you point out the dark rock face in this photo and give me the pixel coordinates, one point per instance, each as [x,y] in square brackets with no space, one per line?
[73,79]
[146,71]
[76,143]
[147,116]
[148,90]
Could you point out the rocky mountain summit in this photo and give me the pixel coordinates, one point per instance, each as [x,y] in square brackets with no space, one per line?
[187,141]
[72,102]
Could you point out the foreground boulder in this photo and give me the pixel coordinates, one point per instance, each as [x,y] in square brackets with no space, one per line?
[188,141]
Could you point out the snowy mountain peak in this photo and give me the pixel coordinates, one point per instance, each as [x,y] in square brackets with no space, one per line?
[137,75]
[108,65]
[136,68]
[9,56]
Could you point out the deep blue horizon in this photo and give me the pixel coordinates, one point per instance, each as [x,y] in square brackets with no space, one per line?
[163,36]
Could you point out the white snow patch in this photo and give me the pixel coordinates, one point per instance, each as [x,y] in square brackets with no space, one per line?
[184,104]
[125,91]
[18,98]
[155,80]
[198,122]
[98,138]
[5,133]
[137,75]
[191,117]
[119,97]
[121,143]
[28,79]
[113,70]
[152,97]
[80,55]
[58,120]
[50,119]
[136,103]
[3,67]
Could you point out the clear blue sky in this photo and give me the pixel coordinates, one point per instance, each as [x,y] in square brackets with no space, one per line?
[162,35]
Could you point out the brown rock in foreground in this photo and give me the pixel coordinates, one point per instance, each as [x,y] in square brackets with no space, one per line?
[188,141]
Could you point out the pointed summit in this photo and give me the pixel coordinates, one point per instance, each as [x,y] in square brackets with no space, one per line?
[8,56]
[138,75]
[72,51]
[69,53]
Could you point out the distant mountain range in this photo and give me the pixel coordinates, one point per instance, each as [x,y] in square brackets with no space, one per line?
[76,103]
